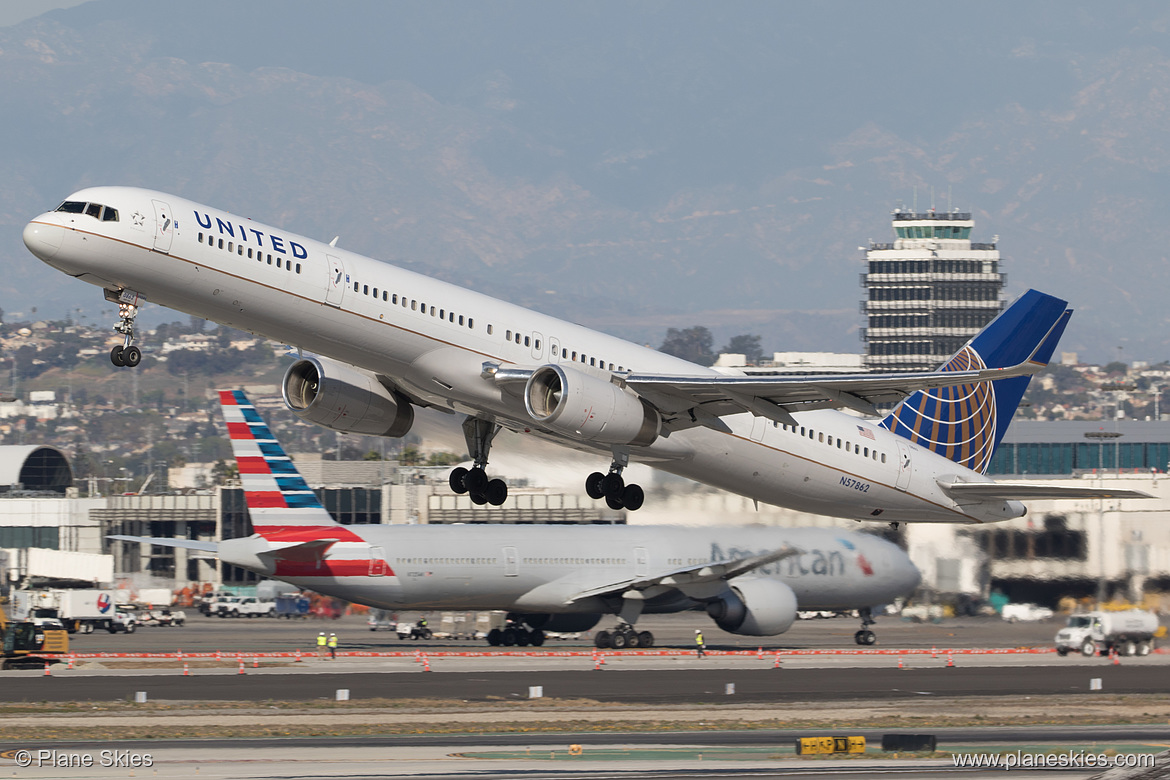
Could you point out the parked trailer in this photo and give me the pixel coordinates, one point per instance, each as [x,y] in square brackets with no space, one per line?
[78,610]
[1126,633]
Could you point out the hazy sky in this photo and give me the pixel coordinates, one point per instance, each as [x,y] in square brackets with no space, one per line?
[13,11]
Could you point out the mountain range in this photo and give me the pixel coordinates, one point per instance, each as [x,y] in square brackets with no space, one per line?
[633,167]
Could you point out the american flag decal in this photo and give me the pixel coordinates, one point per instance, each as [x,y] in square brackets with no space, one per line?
[866,432]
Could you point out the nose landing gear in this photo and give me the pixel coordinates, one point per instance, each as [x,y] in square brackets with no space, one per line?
[865,636]
[125,354]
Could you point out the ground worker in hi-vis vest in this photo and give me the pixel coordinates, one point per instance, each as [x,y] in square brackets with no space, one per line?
[333,646]
[321,645]
[700,648]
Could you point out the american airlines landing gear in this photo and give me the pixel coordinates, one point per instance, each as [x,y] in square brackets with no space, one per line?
[474,481]
[613,488]
[865,636]
[623,636]
[125,354]
[515,634]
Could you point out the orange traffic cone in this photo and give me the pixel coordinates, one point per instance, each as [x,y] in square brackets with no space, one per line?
[186,670]
[934,652]
[1116,657]
[241,671]
[950,660]
[900,666]
[255,662]
[776,663]
[47,672]
[426,664]
[760,653]
[70,666]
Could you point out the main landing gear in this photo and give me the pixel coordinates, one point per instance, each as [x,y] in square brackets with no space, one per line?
[865,636]
[474,481]
[623,636]
[611,486]
[515,634]
[125,354]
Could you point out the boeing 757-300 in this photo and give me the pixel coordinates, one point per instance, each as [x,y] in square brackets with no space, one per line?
[377,341]
[549,578]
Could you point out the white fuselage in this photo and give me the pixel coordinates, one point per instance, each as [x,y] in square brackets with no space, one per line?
[538,569]
[433,339]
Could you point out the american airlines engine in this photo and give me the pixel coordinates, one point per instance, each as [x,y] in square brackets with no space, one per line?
[755,607]
[343,398]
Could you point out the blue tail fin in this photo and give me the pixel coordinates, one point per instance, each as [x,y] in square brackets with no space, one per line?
[967,422]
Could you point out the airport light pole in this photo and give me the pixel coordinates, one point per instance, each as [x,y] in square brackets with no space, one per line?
[1101,437]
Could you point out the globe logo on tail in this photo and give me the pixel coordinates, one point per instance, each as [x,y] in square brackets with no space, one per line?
[956,422]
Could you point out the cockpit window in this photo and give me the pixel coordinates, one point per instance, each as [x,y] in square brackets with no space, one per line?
[95,210]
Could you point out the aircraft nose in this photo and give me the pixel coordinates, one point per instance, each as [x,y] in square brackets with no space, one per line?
[42,239]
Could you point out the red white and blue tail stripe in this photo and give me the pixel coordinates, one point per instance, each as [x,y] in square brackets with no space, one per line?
[280,503]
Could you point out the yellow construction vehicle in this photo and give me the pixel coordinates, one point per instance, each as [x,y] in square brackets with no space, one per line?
[27,644]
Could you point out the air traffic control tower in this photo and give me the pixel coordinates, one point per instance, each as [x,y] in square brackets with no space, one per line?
[928,292]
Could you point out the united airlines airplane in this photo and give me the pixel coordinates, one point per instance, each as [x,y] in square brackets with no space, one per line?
[558,578]
[376,341]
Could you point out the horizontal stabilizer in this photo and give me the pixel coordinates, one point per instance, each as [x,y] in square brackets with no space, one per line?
[305,552]
[187,544]
[996,491]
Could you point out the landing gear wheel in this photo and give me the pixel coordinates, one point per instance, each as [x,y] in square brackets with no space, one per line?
[614,503]
[617,640]
[476,480]
[612,484]
[633,497]
[497,492]
[117,357]
[865,637]
[633,639]
[479,499]
[536,638]
[522,638]
[593,485]
[601,640]
[645,639]
[131,356]
[456,480]
[495,637]
[509,637]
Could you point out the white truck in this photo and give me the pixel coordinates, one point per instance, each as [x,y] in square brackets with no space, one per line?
[245,606]
[1126,633]
[78,610]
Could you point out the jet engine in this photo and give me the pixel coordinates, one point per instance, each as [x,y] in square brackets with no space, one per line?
[345,398]
[567,623]
[586,407]
[755,607]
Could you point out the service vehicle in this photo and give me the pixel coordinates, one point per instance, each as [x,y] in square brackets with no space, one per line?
[125,620]
[1026,613]
[292,605]
[1126,633]
[77,609]
[164,616]
[247,606]
[27,644]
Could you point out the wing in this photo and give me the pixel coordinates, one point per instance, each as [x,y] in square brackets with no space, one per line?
[688,577]
[188,544]
[995,491]
[702,399]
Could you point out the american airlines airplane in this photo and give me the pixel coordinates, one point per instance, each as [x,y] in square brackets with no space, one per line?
[558,578]
[376,341]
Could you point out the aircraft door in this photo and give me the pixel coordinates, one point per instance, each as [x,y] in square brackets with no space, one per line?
[164,227]
[641,562]
[905,465]
[377,562]
[511,562]
[335,284]
[759,425]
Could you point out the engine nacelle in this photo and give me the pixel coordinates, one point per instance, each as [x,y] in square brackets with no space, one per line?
[344,398]
[755,607]
[586,407]
[565,622]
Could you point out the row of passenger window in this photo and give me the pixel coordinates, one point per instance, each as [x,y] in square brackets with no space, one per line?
[823,438]
[414,305]
[577,561]
[454,561]
[95,210]
[565,354]
[232,246]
